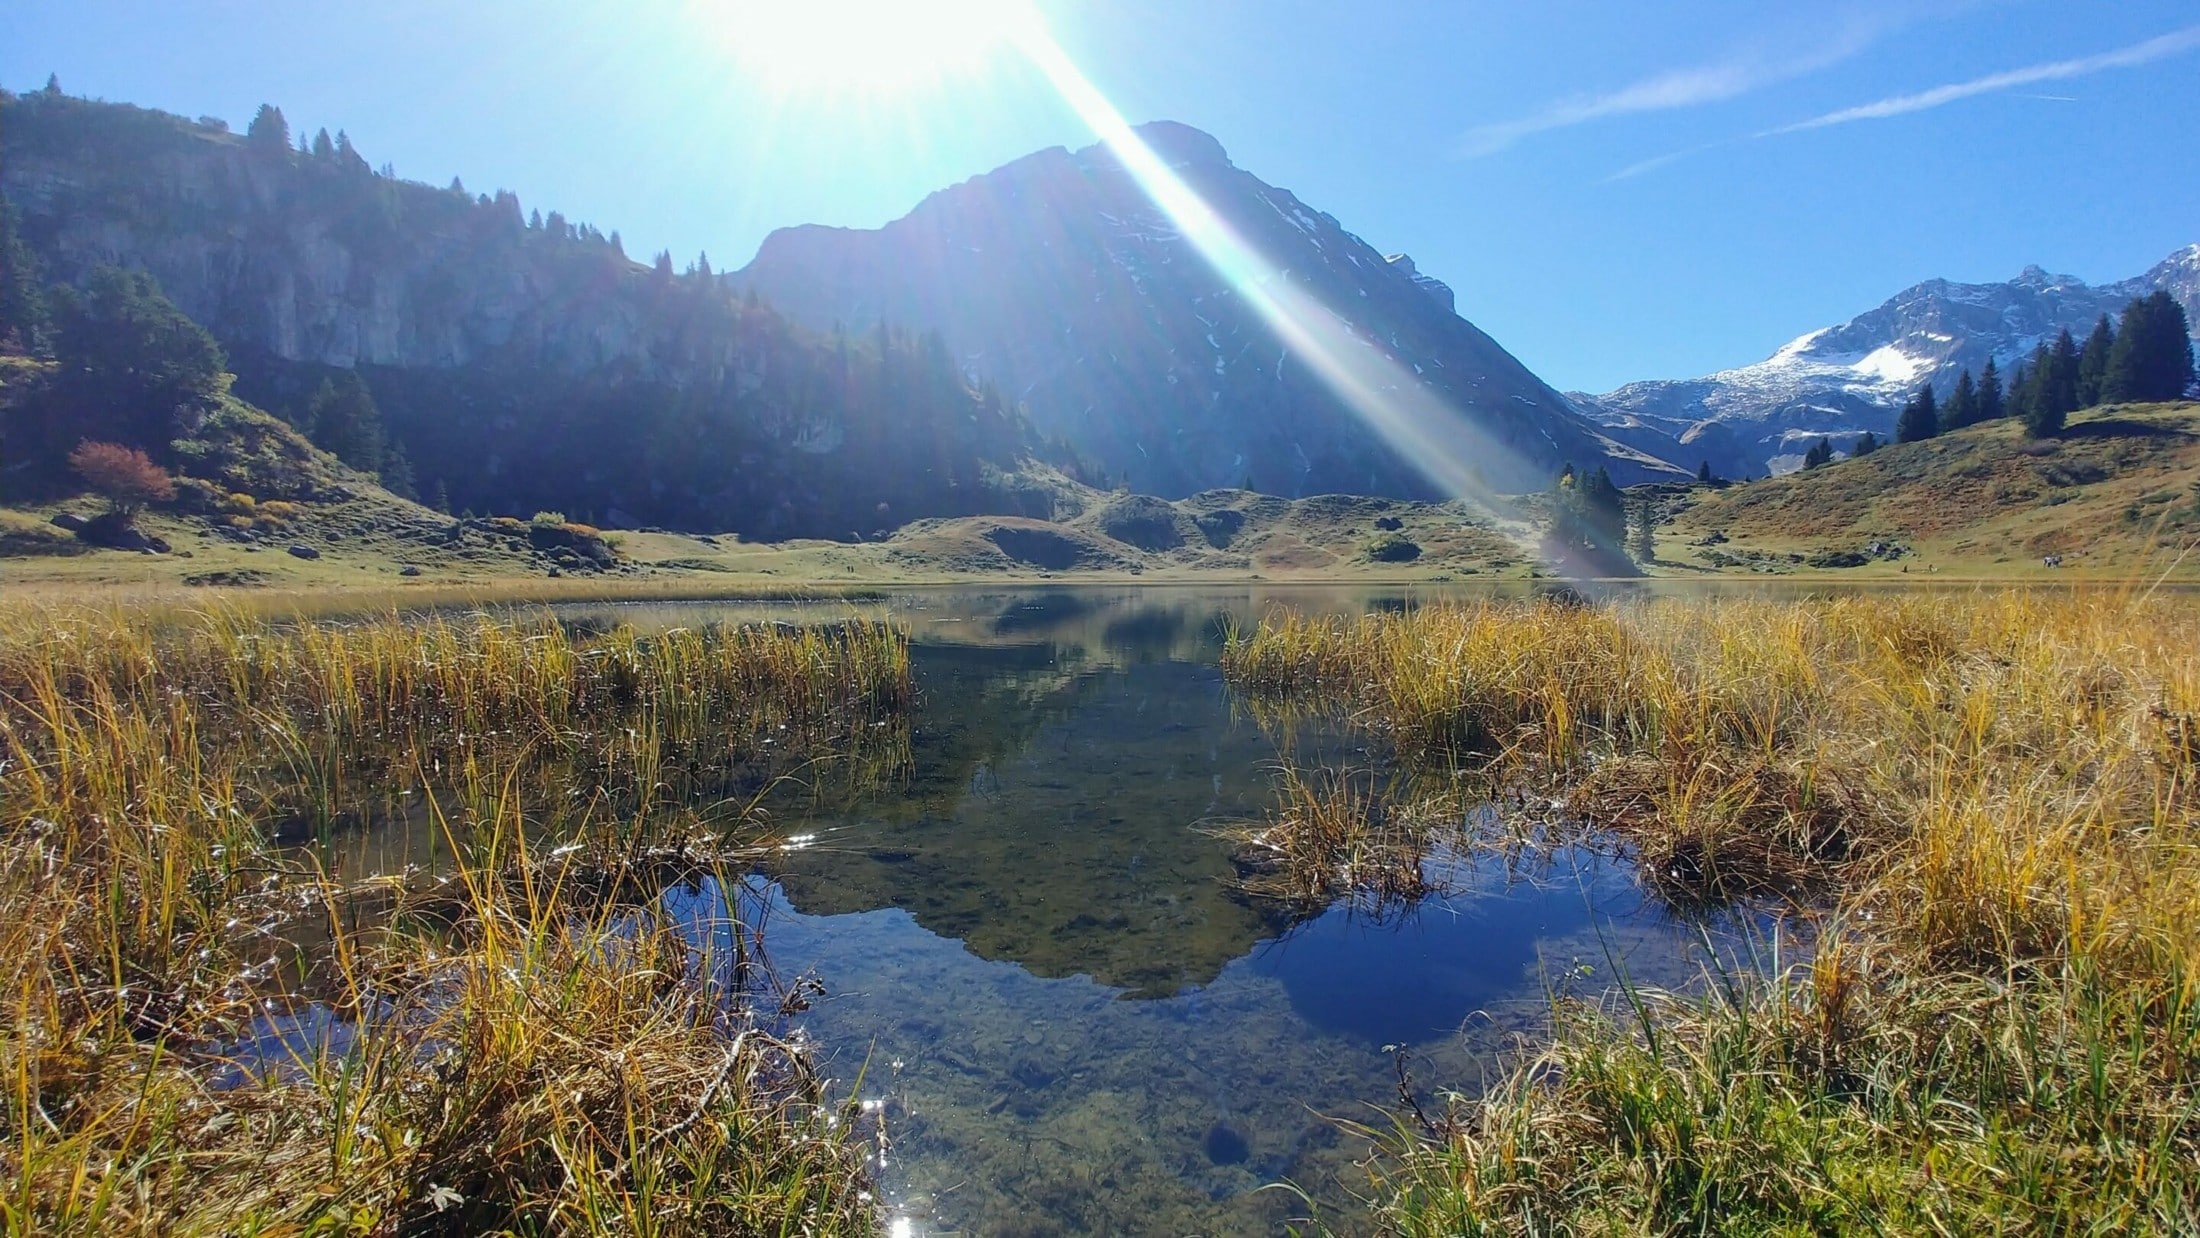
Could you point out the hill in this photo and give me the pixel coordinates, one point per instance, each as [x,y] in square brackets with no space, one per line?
[516,362]
[255,503]
[2117,493]
[1061,280]
[1845,379]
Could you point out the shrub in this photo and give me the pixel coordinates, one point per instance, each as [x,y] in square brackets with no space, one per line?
[126,477]
[239,504]
[1392,548]
[548,520]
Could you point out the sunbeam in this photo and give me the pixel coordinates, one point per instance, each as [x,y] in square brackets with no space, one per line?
[1444,446]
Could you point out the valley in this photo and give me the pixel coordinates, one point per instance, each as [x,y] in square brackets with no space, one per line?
[1082,697]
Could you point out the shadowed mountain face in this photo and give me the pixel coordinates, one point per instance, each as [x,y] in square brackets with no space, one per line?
[520,364]
[1854,377]
[1059,279]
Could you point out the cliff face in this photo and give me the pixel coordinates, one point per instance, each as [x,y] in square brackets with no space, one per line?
[1058,278]
[315,260]
[519,364]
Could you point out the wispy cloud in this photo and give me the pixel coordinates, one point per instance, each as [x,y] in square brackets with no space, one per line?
[1655,162]
[1748,71]
[2176,42]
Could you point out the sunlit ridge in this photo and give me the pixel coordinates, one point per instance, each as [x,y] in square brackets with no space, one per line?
[1452,452]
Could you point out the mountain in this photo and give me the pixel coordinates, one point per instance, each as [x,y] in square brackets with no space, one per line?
[1842,380]
[1058,279]
[518,364]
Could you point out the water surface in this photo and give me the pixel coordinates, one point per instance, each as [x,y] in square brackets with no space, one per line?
[1032,951]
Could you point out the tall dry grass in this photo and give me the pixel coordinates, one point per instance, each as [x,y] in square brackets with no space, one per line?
[1990,799]
[524,1040]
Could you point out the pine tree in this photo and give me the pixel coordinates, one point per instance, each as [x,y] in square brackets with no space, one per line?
[1990,407]
[1819,455]
[1920,419]
[2055,389]
[2152,357]
[1642,534]
[346,422]
[397,472]
[1962,406]
[23,314]
[269,132]
[323,147]
[442,500]
[1703,472]
[2024,385]
[130,366]
[53,85]
[2093,362]
[1866,443]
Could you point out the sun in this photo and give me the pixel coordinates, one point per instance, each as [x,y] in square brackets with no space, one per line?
[871,47]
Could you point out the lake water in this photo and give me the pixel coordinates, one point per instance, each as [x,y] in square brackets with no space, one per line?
[1031,950]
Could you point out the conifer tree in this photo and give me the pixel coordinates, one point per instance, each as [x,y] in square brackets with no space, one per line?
[1920,419]
[2055,394]
[345,421]
[22,303]
[1866,443]
[1990,407]
[268,131]
[1642,533]
[1962,406]
[323,147]
[2093,362]
[1703,472]
[1819,455]
[397,472]
[130,366]
[2024,385]
[2152,357]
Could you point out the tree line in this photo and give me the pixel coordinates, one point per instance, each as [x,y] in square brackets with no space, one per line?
[2145,356]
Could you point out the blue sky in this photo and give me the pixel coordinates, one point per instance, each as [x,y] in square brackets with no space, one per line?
[1616,191]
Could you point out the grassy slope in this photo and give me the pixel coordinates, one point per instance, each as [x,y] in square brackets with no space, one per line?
[365,541]
[2112,496]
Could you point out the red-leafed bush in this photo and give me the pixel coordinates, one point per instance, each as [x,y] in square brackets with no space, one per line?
[126,477]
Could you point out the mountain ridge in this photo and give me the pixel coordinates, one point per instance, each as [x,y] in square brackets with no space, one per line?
[1058,277]
[1853,376]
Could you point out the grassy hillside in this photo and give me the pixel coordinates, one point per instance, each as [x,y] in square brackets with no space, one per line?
[2114,494]
[255,503]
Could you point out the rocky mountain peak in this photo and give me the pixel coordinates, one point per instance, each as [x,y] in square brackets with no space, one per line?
[1842,380]
[1180,145]
[1427,283]
[1059,279]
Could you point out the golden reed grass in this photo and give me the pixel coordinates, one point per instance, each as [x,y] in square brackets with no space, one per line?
[1993,802]
[524,1043]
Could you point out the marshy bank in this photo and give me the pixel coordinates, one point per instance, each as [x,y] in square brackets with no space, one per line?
[1987,803]
[212,1027]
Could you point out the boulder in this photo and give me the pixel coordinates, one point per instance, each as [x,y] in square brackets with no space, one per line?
[304,552]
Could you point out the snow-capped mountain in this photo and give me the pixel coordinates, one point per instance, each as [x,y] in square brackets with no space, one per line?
[1843,380]
[1060,280]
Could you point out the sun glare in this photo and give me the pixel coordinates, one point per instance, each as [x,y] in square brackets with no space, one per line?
[866,46]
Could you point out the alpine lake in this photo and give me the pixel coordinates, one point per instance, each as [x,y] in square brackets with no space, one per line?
[1030,951]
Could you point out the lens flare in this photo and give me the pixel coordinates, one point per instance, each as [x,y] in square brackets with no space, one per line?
[1451,451]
